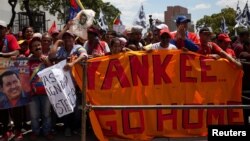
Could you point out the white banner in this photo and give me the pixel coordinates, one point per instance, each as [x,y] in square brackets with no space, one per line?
[60,88]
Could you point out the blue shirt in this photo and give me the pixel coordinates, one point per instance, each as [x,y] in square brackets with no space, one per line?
[76,50]
[5,104]
[188,44]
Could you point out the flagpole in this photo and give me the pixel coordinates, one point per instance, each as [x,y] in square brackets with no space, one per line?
[84,94]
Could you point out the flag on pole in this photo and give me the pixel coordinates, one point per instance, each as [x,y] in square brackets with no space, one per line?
[53,28]
[141,18]
[79,4]
[238,13]
[117,25]
[102,22]
[74,9]
[223,26]
[245,16]
[117,20]
[238,17]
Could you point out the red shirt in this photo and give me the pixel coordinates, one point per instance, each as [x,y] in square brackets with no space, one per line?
[190,35]
[230,52]
[238,48]
[210,48]
[36,83]
[9,44]
[26,53]
[193,37]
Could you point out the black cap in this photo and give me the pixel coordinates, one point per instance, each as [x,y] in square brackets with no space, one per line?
[205,29]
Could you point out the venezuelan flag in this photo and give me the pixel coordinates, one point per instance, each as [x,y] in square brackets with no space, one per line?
[117,20]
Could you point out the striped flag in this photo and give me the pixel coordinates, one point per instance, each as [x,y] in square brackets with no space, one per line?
[74,9]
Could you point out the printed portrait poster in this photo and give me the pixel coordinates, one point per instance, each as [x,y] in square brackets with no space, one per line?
[81,22]
[14,83]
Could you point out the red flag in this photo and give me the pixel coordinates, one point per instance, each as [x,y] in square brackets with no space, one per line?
[53,28]
[117,20]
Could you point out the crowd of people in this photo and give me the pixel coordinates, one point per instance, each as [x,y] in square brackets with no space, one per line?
[46,49]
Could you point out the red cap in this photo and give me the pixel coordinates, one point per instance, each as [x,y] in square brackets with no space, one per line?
[163,31]
[224,37]
[94,30]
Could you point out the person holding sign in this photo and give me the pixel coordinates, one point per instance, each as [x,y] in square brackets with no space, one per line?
[40,105]
[9,48]
[64,49]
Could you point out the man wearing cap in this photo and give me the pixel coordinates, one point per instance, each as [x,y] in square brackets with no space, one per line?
[238,44]
[134,41]
[182,38]
[94,46]
[212,50]
[8,43]
[165,38]
[224,41]
[156,33]
[182,31]
[64,49]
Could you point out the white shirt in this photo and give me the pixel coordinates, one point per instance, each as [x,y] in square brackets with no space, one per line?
[157,46]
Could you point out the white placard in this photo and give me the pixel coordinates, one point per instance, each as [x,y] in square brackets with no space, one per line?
[60,88]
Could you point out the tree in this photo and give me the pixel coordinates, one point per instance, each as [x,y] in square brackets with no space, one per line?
[214,20]
[12,3]
[29,13]
[61,7]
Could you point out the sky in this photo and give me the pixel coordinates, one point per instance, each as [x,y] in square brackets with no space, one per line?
[156,8]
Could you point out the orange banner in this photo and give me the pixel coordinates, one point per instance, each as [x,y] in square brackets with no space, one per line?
[160,78]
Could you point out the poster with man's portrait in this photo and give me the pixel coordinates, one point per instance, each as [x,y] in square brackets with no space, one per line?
[81,22]
[14,83]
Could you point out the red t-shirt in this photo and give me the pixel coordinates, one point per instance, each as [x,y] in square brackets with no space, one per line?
[230,52]
[193,37]
[36,83]
[238,48]
[210,48]
[9,44]
[190,35]
[26,53]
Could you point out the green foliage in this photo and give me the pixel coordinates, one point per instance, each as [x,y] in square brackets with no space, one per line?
[61,7]
[215,20]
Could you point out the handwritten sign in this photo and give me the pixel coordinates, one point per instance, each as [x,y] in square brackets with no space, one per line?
[60,88]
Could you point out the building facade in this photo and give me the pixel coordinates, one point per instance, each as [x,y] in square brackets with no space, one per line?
[171,14]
